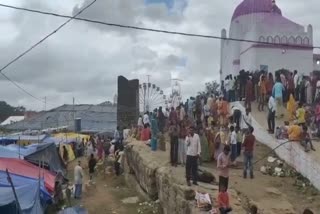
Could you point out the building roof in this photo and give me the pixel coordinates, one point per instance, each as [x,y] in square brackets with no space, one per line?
[255,6]
[12,119]
[94,118]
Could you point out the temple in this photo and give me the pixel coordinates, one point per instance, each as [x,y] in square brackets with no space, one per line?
[283,44]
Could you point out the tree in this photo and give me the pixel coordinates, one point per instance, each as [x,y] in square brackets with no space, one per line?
[211,88]
[7,110]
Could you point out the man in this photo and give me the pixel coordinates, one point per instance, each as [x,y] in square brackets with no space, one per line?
[246,121]
[249,93]
[78,176]
[248,145]
[146,119]
[193,153]
[233,143]
[173,116]
[271,114]
[126,133]
[236,114]
[296,84]
[277,92]
[223,164]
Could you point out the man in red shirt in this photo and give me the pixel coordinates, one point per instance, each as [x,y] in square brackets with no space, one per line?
[248,146]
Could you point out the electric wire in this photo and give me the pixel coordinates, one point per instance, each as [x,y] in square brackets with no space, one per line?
[34,46]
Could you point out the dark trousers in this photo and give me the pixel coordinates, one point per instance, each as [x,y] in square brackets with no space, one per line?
[271,122]
[237,117]
[192,168]
[224,210]
[117,167]
[239,144]
[223,181]
[174,145]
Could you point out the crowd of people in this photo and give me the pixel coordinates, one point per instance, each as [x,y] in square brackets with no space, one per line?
[209,128]
[289,96]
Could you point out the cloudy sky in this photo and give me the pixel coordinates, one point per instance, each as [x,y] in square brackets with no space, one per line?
[83,60]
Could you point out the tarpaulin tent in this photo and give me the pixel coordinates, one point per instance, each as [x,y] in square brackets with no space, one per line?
[32,195]
[27,139]
[71,155]
[24,168]
[6,141]
[22,150]
[71,135]
[47,153]
[7,153]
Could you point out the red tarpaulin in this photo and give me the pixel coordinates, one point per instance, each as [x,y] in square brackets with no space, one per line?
[24,168]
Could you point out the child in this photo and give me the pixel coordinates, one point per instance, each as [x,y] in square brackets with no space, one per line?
[284,130]
[118,159]
[223,201]
[307,211]
[300,115]
[91,165]
[306,139]
[239,140]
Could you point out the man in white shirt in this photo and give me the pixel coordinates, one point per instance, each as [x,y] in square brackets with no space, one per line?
[296,84]
[246,120]
[146,118]
[236,114]
[271,114]
[78,176]
[193,153]
[233,143]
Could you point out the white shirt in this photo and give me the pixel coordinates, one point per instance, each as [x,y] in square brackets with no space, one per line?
[233,109]
[78,174]
[295,80]
[182,113]
[233,138]
[140,121]
[272,104]
[146,119]
[126,133]
[246,119]
[193,145]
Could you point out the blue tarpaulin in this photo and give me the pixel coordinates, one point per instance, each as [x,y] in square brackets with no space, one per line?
[32,195]
[7,153]
[74,210]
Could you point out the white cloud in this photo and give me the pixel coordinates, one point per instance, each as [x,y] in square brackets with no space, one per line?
[83,60]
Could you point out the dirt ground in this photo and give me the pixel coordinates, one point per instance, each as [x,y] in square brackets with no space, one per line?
[106,194]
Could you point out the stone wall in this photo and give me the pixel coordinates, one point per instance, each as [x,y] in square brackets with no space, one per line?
[159,180]
[308,164]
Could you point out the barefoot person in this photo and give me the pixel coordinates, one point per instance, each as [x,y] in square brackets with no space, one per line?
[193,153]
[223,201]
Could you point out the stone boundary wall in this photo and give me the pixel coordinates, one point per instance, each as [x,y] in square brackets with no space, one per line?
[167,184]
[292,152]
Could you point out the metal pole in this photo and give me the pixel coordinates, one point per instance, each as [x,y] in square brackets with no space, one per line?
[14,191]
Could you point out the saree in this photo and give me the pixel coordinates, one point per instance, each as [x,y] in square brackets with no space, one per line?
[291,107]
[205,156]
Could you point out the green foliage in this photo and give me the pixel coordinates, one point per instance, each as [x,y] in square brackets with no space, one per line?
[6,110]
[211,88]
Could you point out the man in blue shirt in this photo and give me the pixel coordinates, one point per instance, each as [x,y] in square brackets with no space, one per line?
[277,93]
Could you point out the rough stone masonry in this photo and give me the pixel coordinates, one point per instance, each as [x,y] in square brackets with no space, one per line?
[159,180]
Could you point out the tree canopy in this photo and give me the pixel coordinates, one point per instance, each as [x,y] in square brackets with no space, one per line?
[211,88]
[7,110]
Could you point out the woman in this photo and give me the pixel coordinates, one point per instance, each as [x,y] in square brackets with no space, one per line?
[291,107]
[205,156]
[154,132]
[174,142]
[182,146]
